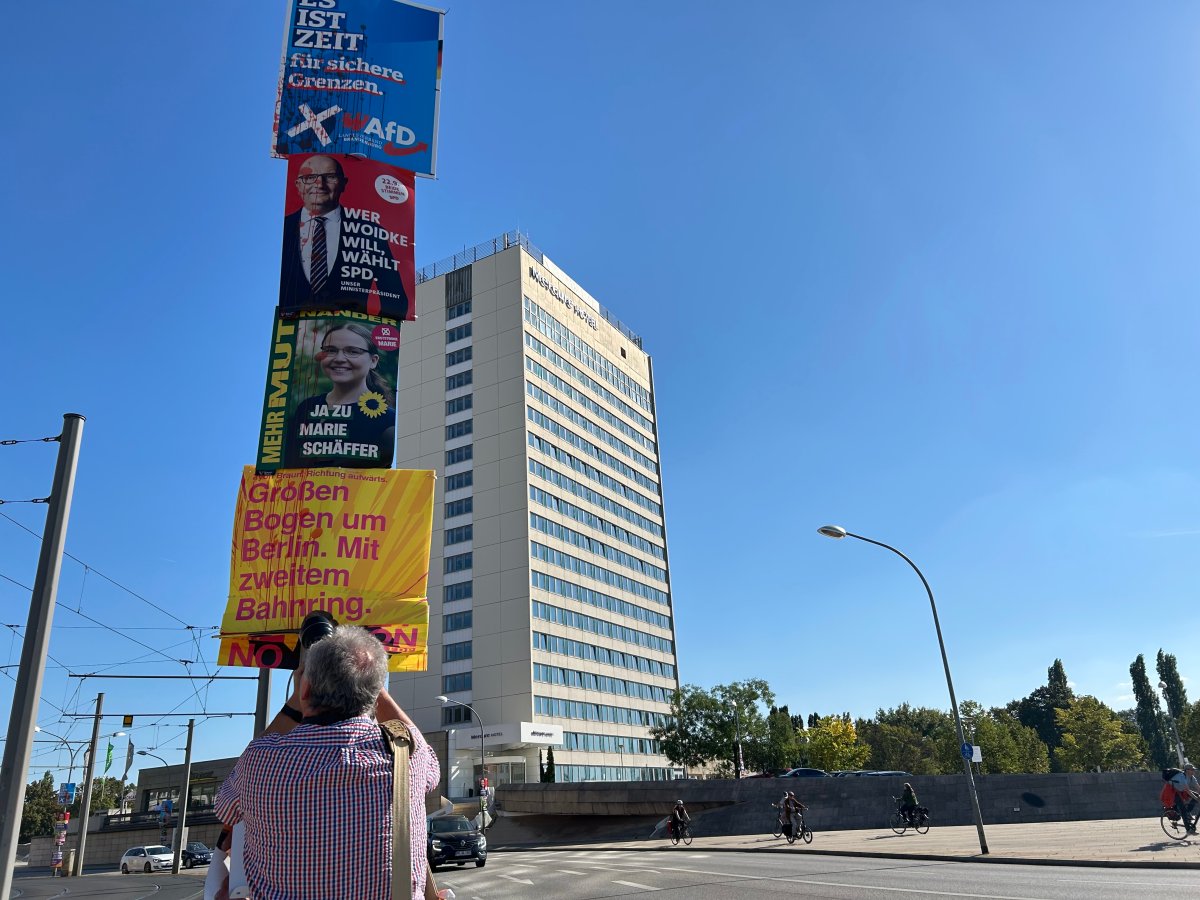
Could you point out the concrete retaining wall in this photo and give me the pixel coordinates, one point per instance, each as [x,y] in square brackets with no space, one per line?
[733,807]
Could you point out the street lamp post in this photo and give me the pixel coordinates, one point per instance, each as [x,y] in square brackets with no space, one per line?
[837,532]
[66,743]
[442,699]
[737,741]
[1162,686]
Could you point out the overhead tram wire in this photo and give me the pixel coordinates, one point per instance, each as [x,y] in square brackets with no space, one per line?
[11,442]
[107,578]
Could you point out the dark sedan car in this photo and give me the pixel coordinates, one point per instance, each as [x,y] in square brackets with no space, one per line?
[454,840]
[195,854]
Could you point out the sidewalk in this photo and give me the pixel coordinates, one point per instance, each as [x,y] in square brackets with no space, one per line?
[1113,842]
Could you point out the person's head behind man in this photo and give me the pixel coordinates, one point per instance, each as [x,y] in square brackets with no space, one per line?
[320,184]
[344,673]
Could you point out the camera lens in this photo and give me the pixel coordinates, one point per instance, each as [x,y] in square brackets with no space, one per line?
[316,625]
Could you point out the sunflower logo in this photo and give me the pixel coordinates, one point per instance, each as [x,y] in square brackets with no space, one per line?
[373,405]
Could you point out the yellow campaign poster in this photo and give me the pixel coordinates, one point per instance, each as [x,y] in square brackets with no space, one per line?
[406,644]
[351,542]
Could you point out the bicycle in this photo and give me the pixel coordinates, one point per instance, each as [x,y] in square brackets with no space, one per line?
[683,832]
[1172,824]
[778,832]
[918,819]
[800,829]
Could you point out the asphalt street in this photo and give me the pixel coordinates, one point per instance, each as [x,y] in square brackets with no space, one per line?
[696,875]
[29,884]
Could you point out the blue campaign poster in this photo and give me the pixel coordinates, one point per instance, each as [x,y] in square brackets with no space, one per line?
[361,77]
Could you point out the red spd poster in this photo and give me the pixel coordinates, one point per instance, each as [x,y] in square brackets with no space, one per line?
[347,237]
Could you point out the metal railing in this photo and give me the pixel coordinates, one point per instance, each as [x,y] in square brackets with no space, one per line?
[498,245]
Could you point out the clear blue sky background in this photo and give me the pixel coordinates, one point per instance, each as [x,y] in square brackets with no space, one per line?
[925,270]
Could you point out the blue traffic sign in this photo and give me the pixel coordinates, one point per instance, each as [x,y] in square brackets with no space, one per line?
[966,750]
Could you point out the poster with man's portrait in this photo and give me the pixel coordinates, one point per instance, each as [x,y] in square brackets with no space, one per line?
[331,392]
[347,237]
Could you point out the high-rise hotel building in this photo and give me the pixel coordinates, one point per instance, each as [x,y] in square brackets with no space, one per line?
[549,592]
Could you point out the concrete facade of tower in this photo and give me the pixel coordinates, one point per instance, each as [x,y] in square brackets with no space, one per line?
[549,592]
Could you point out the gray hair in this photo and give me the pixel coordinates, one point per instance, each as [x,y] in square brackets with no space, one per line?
[346,671]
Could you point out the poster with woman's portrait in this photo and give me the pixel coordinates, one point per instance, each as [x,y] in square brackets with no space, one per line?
[331,393]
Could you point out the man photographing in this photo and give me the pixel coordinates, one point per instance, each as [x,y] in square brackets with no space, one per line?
[315,790]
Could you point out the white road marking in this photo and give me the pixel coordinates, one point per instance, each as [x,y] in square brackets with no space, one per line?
[634,884]
[570,872]
[517,880]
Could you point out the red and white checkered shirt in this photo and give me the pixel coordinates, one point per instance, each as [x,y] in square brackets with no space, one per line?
[317,807]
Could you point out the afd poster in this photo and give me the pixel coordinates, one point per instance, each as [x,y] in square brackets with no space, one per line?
[363,77]
[331,393]
[348,237]
[351,542]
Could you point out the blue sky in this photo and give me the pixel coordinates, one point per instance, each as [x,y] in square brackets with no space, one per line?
[923,270]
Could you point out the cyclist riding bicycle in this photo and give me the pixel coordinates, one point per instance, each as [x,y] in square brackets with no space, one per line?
[908,802]
[679,816]
[1177,796]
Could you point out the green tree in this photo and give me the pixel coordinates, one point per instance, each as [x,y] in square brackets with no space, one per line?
[1093,737]
[687,738]
[832,744]
[920,740]
[40,808]
[1174,692]
[1148,717]
[1007,746]
[781,750]
[752,697]
[549,779]
[1037,710]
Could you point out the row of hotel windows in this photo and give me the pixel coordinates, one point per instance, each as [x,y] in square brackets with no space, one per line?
[452,715]
[459,429]
[456,621]
[609,743]
[597,453]
[606,684]
[552,643]
[571,619]
[459,507]
[586,354]
[590,519]
[458,333]
[597,712]
[458,682]
[459,309]
[587,381]
[459,454]
[599,548]
[461,480]
[462,590]
[459,404]
[462,379]
[601,478]
[455,652]
[462,355]
[553,403]
[456,563]
[599,573]
[553,585]
[578,774]
[583,492]
[458,535]
[589,404]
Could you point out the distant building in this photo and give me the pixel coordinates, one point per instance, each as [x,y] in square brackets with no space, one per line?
[550,599]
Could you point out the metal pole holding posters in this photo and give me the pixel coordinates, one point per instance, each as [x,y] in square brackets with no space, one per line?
[19,744]
[261,716]
[181,818]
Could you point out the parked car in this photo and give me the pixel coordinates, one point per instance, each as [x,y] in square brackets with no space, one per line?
[890,773]
[455,840]
[195,854]
[146,859]
[803,772]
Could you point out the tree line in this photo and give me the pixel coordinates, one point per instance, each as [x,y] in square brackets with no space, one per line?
[1050,730]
